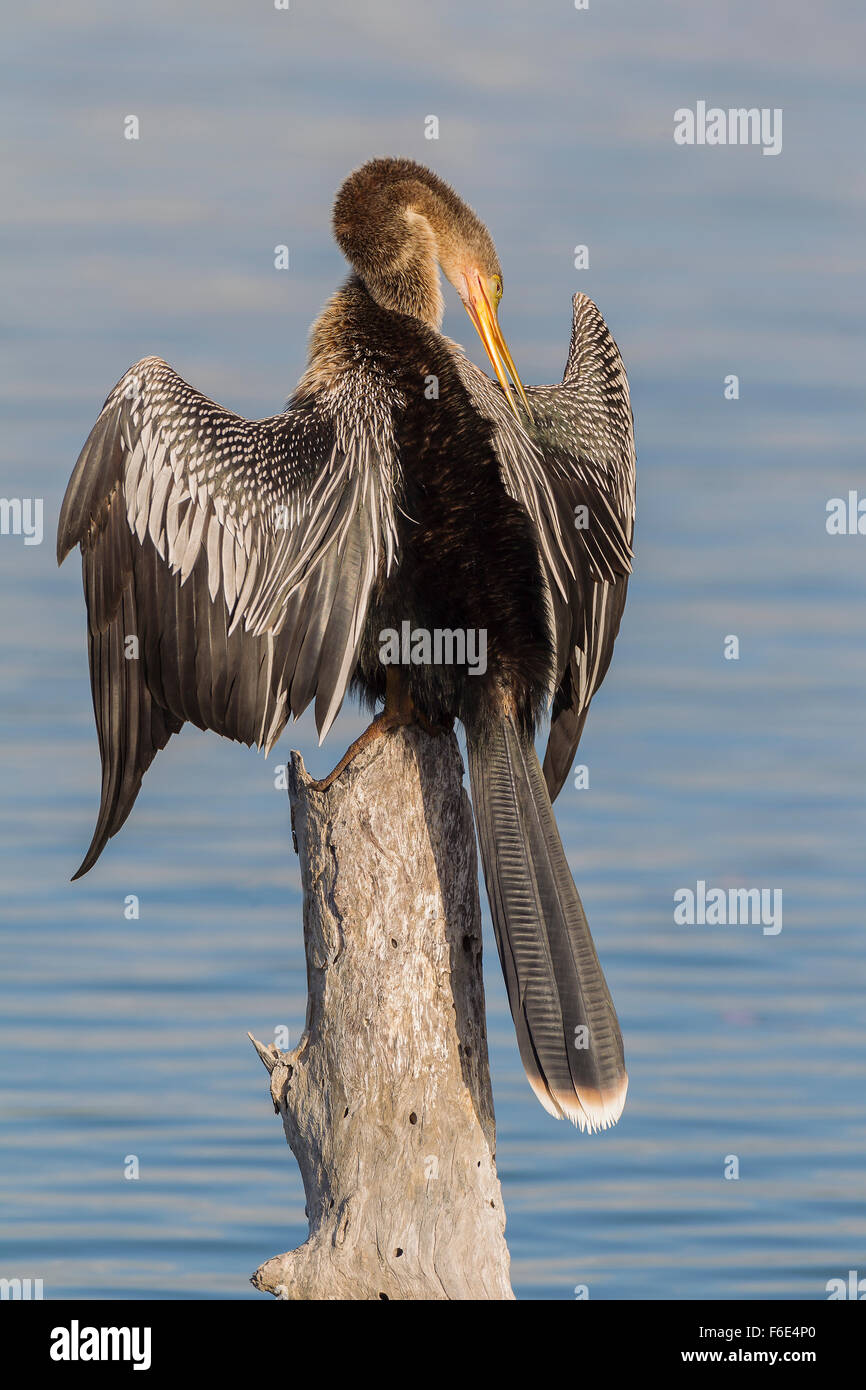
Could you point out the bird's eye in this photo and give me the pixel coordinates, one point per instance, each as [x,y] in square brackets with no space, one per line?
[497,287]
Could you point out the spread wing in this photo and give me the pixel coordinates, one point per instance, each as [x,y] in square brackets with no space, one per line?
[228,565]
[574,472]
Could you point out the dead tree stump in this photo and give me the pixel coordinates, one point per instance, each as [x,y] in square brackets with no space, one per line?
[386,1100]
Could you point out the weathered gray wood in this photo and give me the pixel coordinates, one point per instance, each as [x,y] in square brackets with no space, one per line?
[386,1100]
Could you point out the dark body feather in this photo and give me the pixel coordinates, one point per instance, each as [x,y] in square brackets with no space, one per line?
[467,558]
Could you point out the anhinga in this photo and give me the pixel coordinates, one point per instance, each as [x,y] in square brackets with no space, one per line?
[258,562]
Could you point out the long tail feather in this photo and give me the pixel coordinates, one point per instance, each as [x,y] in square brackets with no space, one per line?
[567,1028]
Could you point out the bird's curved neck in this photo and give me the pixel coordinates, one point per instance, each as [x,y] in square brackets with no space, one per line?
[401,267]
[397,223]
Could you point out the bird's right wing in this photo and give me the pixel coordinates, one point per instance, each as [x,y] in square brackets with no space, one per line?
[573,472]
[228,566]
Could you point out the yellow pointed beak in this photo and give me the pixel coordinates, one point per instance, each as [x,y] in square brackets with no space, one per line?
[483,315]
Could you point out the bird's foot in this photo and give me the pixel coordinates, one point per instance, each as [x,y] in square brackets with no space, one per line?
[399,712]
[381,725]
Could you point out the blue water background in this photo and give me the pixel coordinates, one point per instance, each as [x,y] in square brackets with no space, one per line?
[126,1037]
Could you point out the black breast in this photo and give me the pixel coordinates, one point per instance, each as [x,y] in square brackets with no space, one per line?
[468,573]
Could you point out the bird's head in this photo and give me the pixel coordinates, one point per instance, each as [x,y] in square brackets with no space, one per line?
[398,223]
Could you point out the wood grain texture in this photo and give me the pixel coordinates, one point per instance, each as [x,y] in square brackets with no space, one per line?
[386,1100]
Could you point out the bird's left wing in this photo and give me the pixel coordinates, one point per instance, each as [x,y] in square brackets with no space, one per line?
[228,566]
[573,471]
